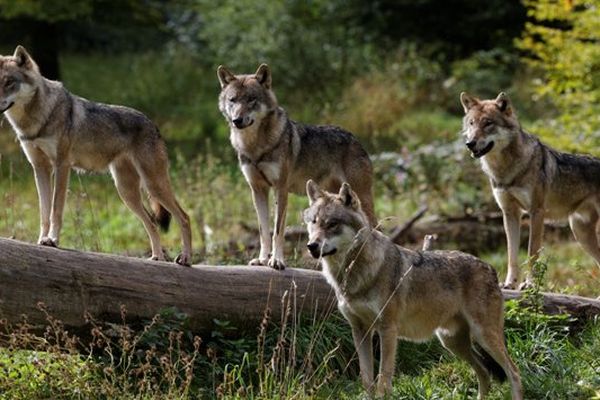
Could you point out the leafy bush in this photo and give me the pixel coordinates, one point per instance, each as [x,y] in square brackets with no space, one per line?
[485,73]
[561,42]
[376,105]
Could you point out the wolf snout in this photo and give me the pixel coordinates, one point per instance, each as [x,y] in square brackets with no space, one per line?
[313,248]
[242,122]
[238,122]
[471,144]
[4,107]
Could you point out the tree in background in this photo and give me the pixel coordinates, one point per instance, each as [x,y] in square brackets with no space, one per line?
[40,19]
[311,45]
[47,27]
[563,42]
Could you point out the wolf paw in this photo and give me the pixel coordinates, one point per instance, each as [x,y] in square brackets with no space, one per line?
[525,285]
[184,259]
[508,285]
[156,258]
[277,264]
[259,261]
[46,241]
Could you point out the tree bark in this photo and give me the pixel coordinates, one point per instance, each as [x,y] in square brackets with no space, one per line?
[45,48]
[72,283]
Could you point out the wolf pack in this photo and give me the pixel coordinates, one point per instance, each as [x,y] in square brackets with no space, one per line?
[381,287]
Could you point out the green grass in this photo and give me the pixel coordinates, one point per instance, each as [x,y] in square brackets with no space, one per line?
[300,359]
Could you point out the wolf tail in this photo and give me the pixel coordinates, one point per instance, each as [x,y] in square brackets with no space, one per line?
[160,215]
[490,364]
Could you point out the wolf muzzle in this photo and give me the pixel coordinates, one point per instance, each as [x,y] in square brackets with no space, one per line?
[241,123]
[472,146]
[316,252]
[7,107]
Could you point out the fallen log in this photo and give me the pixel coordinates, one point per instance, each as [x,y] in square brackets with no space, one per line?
[556,303]
[71,284]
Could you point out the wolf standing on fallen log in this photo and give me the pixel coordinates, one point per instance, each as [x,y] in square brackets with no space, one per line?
[274,151]
[526,175]
[59,131]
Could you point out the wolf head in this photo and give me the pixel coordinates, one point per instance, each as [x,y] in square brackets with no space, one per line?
[332,219]
[488,125]
[18,77]
[246,99]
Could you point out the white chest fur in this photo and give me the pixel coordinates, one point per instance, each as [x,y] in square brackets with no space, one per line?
[269,171]
[521,194]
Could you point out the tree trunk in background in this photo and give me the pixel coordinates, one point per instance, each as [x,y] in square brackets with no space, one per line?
[45,48]
[72,283]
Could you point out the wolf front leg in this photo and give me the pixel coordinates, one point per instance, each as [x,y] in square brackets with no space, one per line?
[260,197]
[61,183]
[389,343]
[277,260]
[536,234]
[42,171]
[512,227]
[363,342]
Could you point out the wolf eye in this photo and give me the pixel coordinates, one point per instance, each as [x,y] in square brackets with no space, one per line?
[332,224]
[471,122]
[9,82]
[232,99]
[487,122]
[251,99]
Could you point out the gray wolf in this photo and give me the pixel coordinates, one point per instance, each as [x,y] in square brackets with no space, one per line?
[400,293]
[59,131]
[528,176]
[274,151]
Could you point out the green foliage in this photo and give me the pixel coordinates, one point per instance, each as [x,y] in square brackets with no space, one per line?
[485,73]
[561,41]
[46,10]
[310,45]
[378,105]
[174,88]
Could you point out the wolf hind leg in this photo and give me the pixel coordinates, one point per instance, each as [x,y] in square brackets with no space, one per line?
[127,182]
[584,228]
[490,336]
[458,342]
[155,178]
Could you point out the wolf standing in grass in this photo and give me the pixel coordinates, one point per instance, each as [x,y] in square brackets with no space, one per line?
[527,175]
[59,131]
[400,293]
[274,151]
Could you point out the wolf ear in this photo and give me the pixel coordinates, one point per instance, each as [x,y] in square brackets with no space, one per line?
[263,75]
[348,197]
[313,191]
[503,103]
[23,58]
[467,101]
[225,76]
